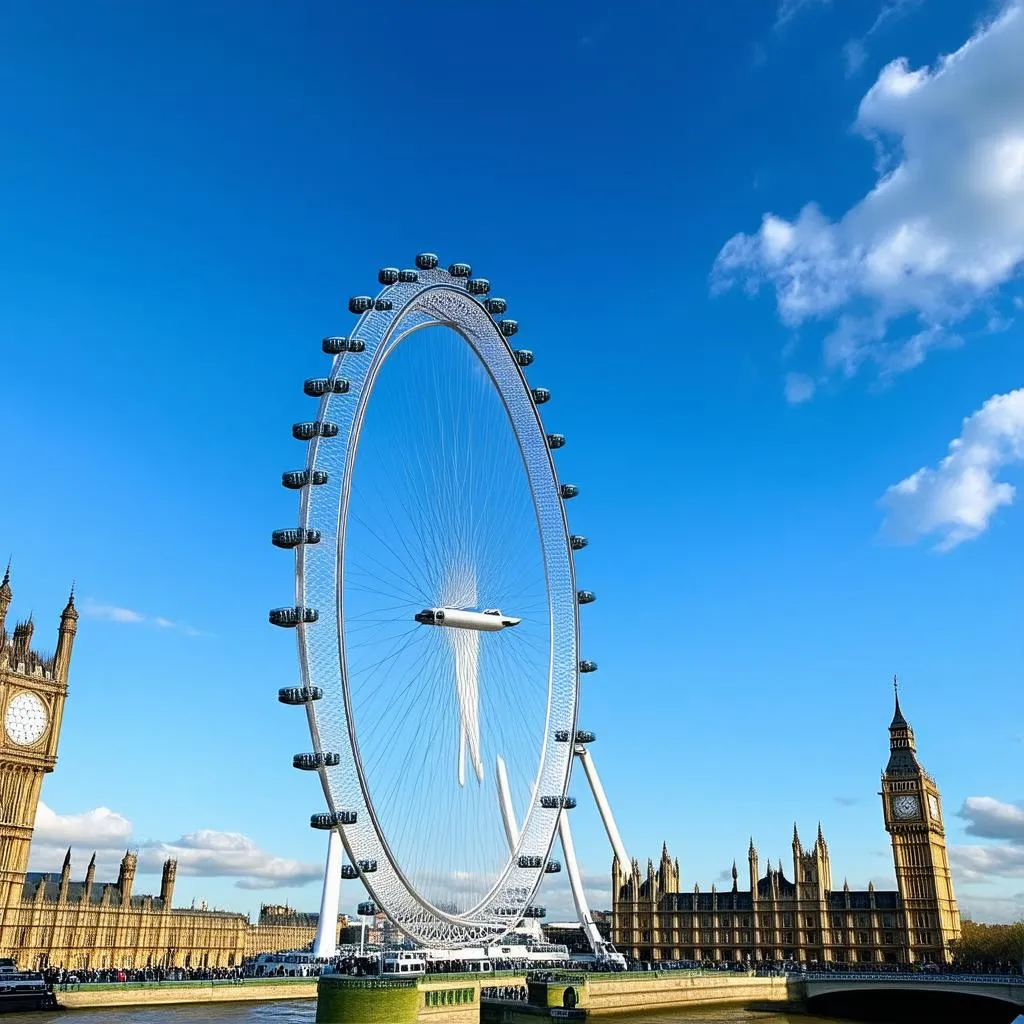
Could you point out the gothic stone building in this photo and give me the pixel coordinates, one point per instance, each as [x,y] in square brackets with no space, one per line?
[54,921]
[803,917]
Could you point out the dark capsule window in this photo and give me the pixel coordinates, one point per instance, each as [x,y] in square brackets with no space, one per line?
[426,261]
[408,276]
[388,275]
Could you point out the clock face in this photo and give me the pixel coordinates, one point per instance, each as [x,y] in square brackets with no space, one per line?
[25,720]
[933,805]
[906,807]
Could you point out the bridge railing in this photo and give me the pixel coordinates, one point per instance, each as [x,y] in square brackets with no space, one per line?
[915,978]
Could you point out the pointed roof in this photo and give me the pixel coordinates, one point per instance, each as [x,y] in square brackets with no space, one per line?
[898,721]
[752,849]
[67,859]
[70,611]
[796,835]
[821,837]
[5,586]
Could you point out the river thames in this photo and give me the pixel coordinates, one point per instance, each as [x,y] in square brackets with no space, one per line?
[304,1012]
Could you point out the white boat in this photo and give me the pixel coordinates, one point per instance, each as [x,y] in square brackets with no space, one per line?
[402,963]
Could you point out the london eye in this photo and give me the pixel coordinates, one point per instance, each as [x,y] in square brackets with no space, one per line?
[436,608]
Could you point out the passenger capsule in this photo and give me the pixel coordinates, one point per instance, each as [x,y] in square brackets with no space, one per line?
[388,275]
[540,395]
[530,860]
[318,428]
[508,327]
[297,478]
[408,276]
[495,306]
[588,666]
[314,761]
[460,270]
[317,387]
[478,286]
[552,867]
[293,536]
[535,912]
[334,345]
[349,871]
[524,357]
[426,261]
[382,304]
[360,304]
[578,542]
[288,618]
[556,441]
[332,819]
[367,866]
[586,596]
[568,491]
[585,736]
[367,909]
[296,695]
[558,801]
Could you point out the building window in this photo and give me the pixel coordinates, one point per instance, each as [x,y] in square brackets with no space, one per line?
[862,920]
[746,922]
[705,920]
[810,920]
[787,920]
[812,938]
[787,938]
[808,875]
[862,938]
[887,921]
[837,920]
[705,939]
[888,938]
[746,938]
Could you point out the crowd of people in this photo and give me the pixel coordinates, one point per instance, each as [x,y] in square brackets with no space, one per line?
[58,976]
[515,992]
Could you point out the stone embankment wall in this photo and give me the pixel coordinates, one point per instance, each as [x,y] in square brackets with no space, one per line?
[168,993]
[619,993]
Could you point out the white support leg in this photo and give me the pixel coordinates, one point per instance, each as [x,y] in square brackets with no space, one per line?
[583,753]
[508,816]
[326,942]
[579,897]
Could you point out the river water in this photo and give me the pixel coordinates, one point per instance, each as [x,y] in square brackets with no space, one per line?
[304,1011]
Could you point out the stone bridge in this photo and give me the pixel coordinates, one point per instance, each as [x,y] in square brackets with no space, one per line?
[981,997]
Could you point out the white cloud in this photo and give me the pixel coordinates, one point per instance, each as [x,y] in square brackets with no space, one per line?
[957,499]
[990,864]
[939,234]
[112,613]
[799,388]
[205,853]
[992,819]
[789,9]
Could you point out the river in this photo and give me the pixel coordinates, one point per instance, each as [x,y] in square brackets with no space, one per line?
[304,1011]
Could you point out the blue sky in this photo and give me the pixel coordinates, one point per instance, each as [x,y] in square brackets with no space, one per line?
[192,191]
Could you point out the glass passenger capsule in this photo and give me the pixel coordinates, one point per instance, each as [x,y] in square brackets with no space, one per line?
[524,357]
[335,345]
[367,909]
[585,736]
[568,491]
[586,596]
[508,327]
[478,286]
[578,542]
[408,276]
[367,866]
[535,912]
[540,395]
[588,666]
[317,387]
[426,261]
[552,867]
[495,306]
[314,761]
[388,275]
[556,441]
[349,871]
[558,801]
[530,860]
[293,536]
[460,270]
[360,303]
[332,819]
[297,478]
[296,695]
[382,304]
[317,428]
[290,617]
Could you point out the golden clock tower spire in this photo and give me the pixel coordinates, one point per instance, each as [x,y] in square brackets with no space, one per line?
[913,818]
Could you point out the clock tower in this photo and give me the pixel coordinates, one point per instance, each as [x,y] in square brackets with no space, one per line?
[33,688]
[913,818]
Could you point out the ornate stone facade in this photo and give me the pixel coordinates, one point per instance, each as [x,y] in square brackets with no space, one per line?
[804,918]
[53,921]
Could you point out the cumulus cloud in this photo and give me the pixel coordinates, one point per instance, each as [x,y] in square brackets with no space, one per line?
[990,863]
[992,819]
[205,853]
[957,499]
[112,613]
[937,241]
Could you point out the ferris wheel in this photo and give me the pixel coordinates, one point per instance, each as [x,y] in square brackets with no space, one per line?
[436,609]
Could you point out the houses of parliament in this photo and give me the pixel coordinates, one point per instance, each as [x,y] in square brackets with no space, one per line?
[53,921]
[803,917]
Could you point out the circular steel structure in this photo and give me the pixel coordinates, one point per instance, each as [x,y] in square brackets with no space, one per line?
[436,608]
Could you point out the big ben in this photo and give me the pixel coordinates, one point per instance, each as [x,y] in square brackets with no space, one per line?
[913,818]
[33,689]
